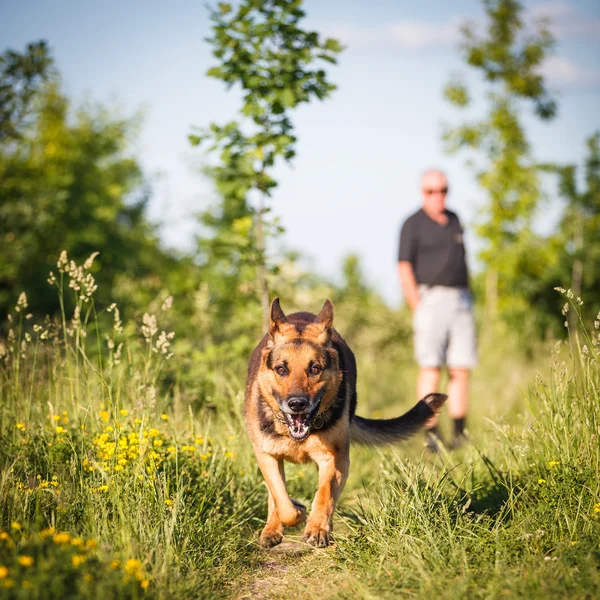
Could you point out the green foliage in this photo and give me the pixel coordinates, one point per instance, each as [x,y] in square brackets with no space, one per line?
[21,76]
[574,250]
[262,48]
[68,181]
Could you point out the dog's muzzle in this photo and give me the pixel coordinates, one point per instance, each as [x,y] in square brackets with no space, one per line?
[299,413]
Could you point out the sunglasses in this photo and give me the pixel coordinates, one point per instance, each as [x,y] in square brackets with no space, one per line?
[430,191]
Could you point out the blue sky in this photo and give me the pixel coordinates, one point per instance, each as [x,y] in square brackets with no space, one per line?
[360,152]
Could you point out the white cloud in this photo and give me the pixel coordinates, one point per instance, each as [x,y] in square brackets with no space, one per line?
[566,21]
[563,72]
[402,34]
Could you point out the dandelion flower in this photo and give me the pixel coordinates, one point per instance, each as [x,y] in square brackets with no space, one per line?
[62,538]
[132,566]
[78,559]
[3,572]
[16,526]
[26,561]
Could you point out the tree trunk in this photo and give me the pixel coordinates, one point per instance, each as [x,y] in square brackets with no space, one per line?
[577,270]
[491,295]
[261,276]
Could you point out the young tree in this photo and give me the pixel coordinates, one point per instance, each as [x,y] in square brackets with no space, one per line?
[576,243]
[21,76]
[508,58]
[278,65]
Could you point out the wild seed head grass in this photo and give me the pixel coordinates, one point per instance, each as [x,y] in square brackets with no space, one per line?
[107,489]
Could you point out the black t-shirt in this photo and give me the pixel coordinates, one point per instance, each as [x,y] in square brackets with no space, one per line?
[436,252]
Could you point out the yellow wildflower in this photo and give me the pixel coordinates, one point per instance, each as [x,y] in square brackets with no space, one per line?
[62,538]
[44,533]
[132,566]
[144,584]
[91,543]
[60,429]
[56,418]
[124,412]
[76,541]
[78,559]
[3,572]
[597,508]
[541,481]
[573,543]
[553,463]
[16,526]
[168,502]
[104,415]
[26,561]
[4,535]
[21,426]
[164,417]
[115,564]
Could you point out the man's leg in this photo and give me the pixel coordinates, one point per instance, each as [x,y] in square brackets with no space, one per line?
[458,401]
[427,383]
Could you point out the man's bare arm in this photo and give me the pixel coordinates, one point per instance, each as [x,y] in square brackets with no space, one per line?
[409,283]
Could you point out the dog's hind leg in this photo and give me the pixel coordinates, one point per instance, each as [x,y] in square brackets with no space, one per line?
[281,508]
[333,472]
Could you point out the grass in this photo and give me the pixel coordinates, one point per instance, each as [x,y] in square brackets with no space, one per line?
[111,488]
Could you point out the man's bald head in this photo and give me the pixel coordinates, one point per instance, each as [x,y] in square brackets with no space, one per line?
[434,188]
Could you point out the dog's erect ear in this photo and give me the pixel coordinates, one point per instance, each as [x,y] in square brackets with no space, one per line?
[278,318]
[325,321]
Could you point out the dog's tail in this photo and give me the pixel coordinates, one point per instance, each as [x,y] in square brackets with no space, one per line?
[376,432]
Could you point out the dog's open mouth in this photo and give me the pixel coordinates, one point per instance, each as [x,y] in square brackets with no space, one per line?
[299,424]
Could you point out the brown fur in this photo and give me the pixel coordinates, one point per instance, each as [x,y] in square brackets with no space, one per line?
[303,357]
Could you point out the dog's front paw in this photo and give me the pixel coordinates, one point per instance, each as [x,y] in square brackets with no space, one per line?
[316,536]
[294,515]
[271,537]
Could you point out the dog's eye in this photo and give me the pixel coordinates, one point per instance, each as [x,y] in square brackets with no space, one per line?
[314,369]
[280,370]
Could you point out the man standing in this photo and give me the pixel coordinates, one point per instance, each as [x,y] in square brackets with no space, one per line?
[433,273]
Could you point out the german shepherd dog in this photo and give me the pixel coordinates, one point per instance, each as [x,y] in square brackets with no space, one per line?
[300,405]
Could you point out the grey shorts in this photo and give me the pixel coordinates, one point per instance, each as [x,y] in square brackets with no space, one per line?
[444,328]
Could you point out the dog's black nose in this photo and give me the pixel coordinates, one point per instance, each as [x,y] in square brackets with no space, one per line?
[297,403]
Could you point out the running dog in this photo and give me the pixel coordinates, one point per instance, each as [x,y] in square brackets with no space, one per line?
[300,406]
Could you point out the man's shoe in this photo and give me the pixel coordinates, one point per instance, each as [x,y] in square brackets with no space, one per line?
[458,442]
[433,441]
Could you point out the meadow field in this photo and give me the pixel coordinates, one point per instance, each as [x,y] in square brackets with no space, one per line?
[113,485]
